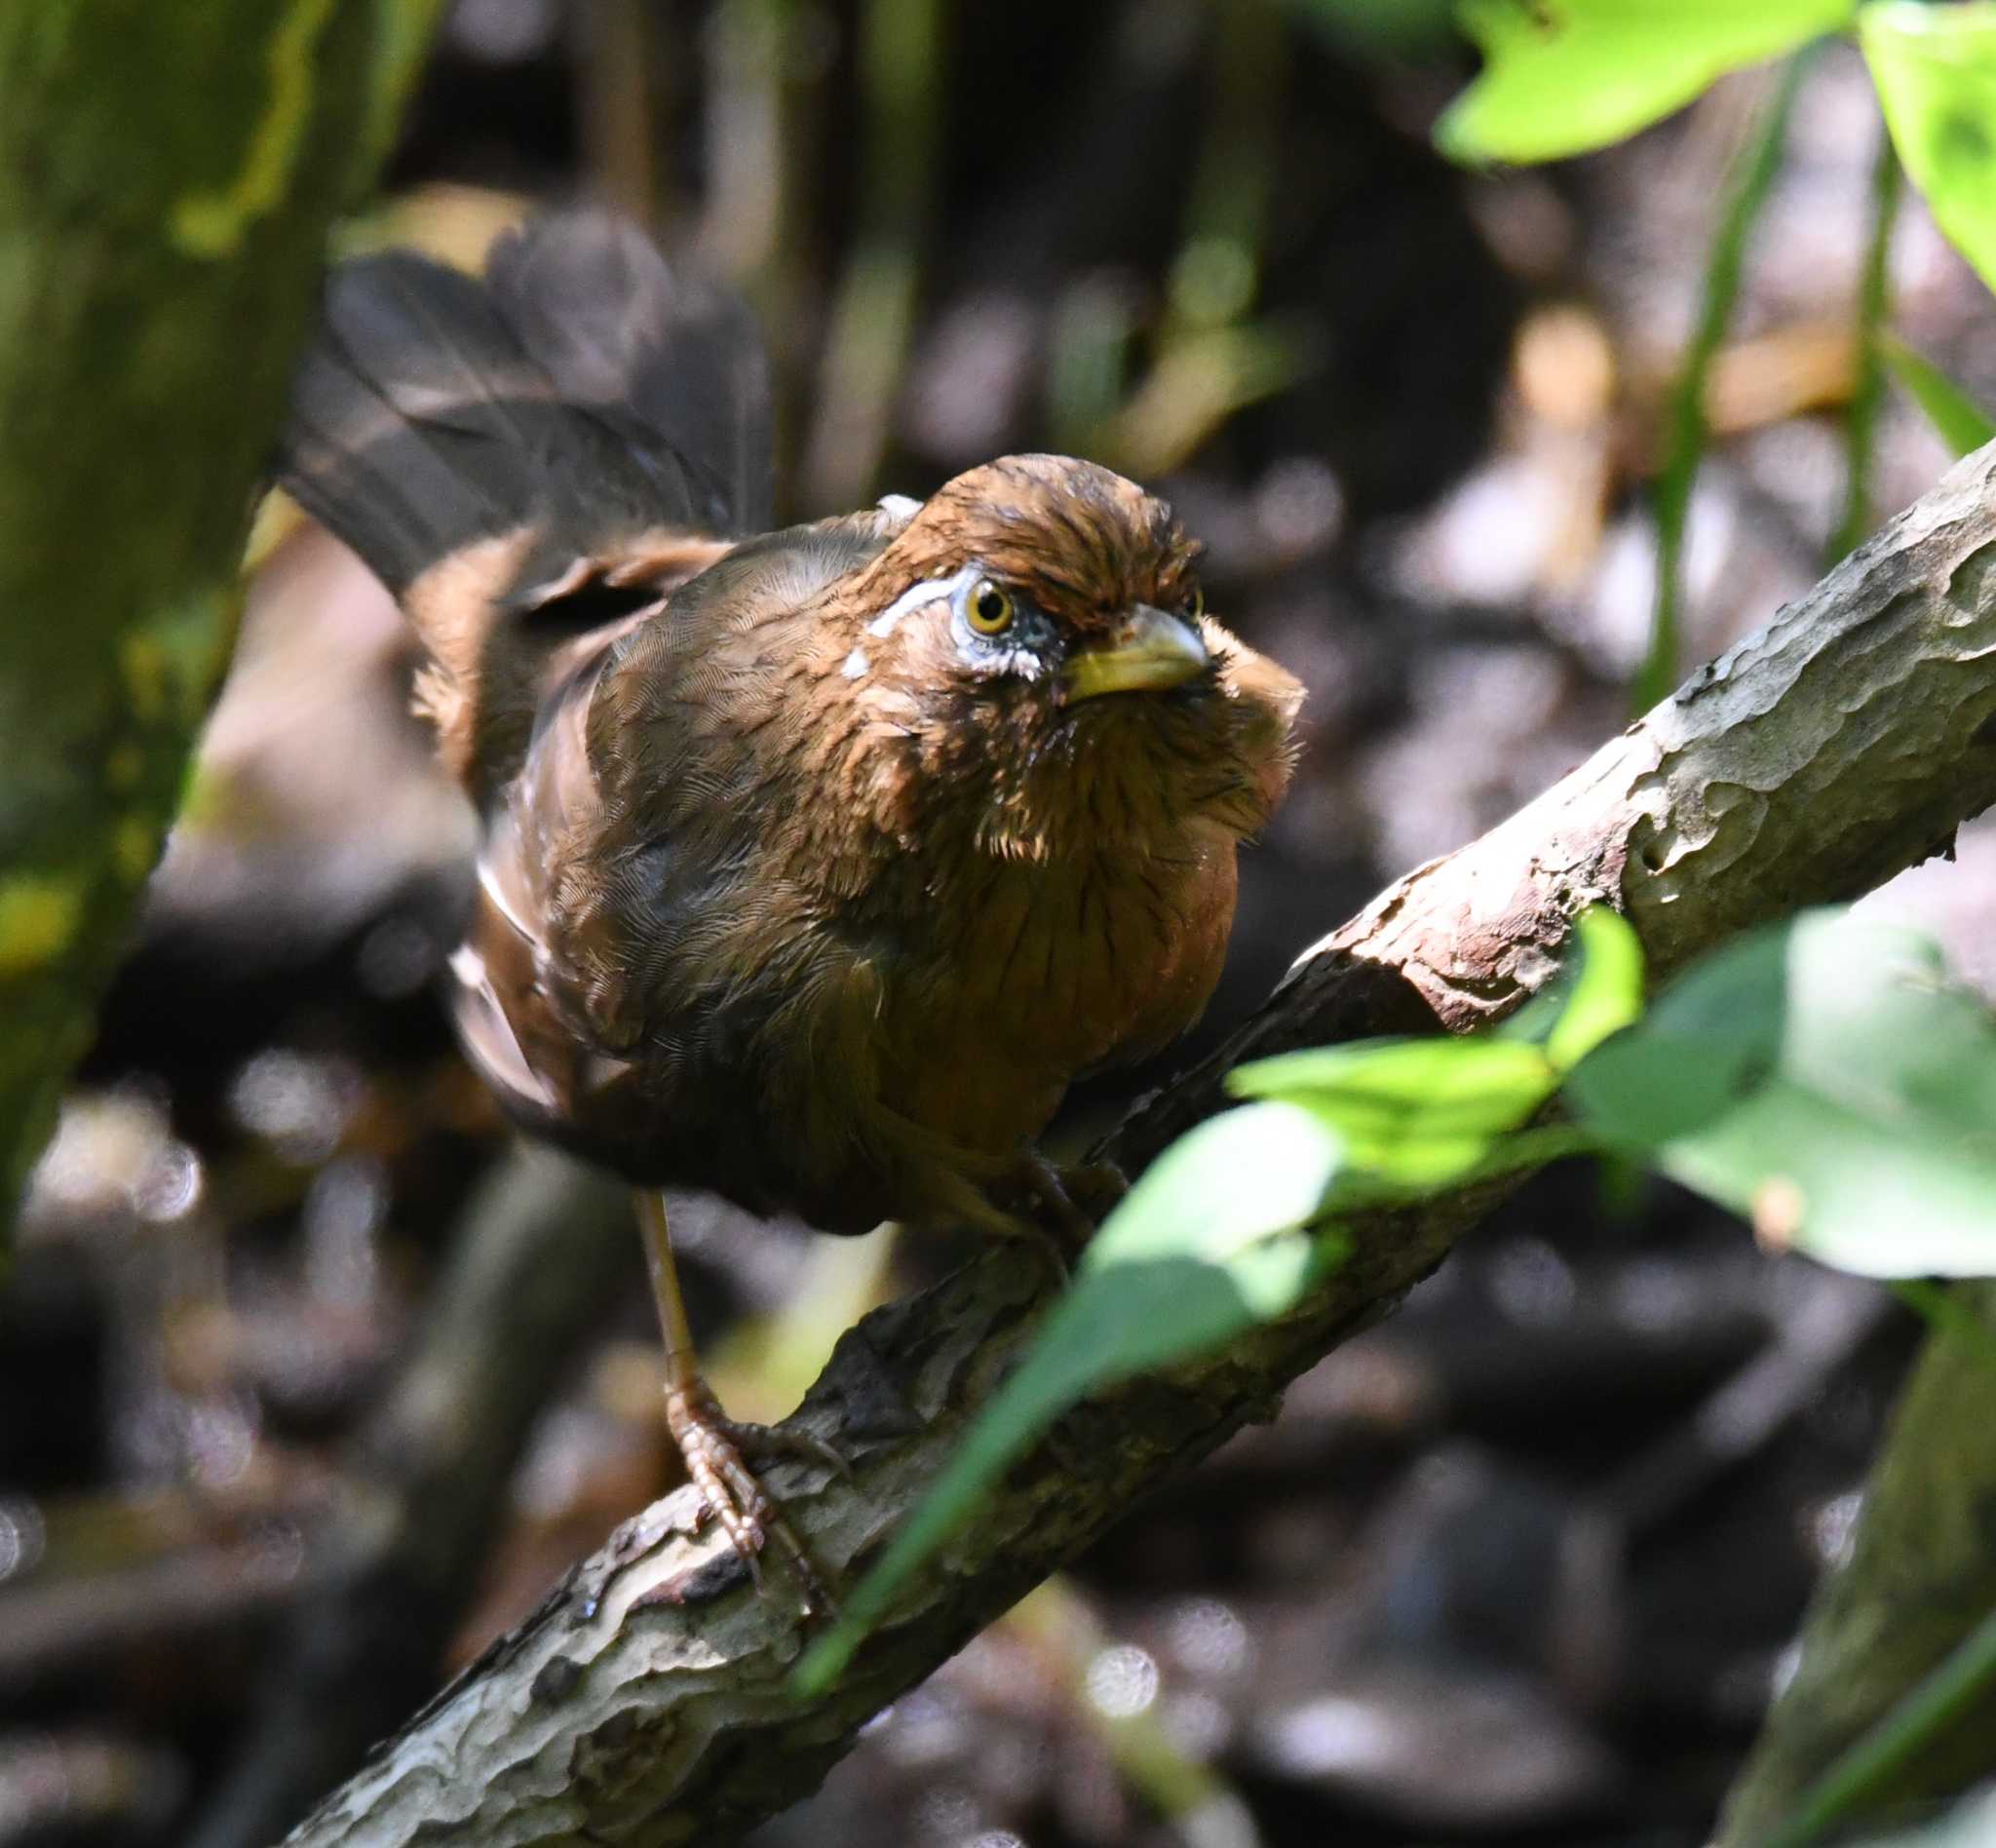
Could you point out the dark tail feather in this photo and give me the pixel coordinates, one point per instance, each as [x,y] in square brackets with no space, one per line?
[667,357]
[582,388]
[399,439]
[605,417]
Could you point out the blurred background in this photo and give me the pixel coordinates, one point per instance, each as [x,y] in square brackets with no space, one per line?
[311,1383]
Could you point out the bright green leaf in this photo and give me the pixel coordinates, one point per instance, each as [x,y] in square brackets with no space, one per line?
[1608,989]
[1517,1152]
[1416,1114]
[1236,1178]
[1373,1087]
[1411,1114]
[1878,1198]
[1824,1080]
[1138,1314]
[1935,71]
[1963,424]
[1563,76]
[1206,1243]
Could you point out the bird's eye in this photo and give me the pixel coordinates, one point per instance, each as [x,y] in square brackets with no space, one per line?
[1194,605]
[989,609]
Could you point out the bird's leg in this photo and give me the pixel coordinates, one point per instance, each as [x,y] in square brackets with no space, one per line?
[961,1201]
[1078,1196]
[1053,1209]
[713,1445]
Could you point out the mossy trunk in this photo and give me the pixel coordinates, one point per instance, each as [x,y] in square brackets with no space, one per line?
[168,174]
[1921,1575]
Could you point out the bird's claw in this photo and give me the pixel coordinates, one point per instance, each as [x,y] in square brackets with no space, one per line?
[713,1447]
[777,1441]
[1074,1200]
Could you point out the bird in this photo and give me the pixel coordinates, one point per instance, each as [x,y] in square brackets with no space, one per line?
[815,862]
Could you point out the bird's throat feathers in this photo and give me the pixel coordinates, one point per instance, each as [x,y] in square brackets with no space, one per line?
[1029,781]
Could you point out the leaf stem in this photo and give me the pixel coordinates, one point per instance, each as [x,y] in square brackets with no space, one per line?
[1867,387]
[1753,172]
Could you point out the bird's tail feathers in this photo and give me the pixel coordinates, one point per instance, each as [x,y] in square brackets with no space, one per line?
[530,455]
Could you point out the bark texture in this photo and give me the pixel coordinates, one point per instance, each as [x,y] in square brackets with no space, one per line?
[168,174]
[644,1702]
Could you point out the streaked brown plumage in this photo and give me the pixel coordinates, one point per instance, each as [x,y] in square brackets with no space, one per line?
[796,883]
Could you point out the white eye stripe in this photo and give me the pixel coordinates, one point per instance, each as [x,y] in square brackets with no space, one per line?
[919,596]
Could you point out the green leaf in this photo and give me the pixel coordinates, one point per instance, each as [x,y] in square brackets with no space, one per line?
[1563,76]
[1708,1044]
[1411,1114]
[1964,425]
[1416,1114]
[1206,1243]
[1866,1196]
[1517,1151]
[1935,71]
[1608,991]
[1822,1080]
[1236,1178]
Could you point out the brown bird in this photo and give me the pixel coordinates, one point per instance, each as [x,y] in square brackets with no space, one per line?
[816,863]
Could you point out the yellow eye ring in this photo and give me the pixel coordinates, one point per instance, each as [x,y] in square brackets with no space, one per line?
[1194,605]
[989,608]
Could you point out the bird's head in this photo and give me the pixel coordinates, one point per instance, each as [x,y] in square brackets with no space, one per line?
[1040,622]
[1045,580]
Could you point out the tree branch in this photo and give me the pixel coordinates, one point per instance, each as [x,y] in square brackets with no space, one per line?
[645,1703]
[541,1245]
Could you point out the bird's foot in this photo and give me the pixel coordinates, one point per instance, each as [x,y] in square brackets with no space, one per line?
[714,1449]
[1053,1209]
[1075,1198]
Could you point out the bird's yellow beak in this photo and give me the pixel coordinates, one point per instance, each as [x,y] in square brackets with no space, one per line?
[1151,652]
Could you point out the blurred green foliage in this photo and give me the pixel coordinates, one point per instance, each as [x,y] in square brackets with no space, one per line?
[1961,423]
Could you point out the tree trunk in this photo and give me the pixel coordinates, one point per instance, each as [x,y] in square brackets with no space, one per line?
[168,174]
[1921,1575]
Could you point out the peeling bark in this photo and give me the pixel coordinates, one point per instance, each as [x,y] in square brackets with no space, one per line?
[644,1702]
